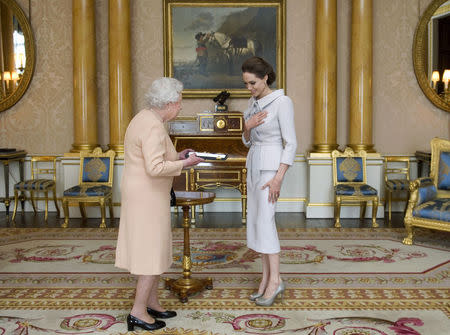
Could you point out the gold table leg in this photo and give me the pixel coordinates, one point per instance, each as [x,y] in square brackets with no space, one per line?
[186,285]
[243,189]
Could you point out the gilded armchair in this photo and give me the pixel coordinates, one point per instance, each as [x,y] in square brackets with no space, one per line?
[94,184]
[429,202]
[350,183]
[43,180]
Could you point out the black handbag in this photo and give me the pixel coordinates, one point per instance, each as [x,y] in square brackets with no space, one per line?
[173,198]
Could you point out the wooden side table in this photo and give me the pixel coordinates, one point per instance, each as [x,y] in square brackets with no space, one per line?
[6,157]
[216,132]
[187,285]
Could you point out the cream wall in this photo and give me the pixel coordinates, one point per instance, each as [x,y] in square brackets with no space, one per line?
[404,120]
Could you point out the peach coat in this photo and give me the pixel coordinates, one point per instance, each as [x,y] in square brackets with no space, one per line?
[144,245]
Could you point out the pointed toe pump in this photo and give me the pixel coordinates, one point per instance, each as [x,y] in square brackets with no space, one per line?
[269,301]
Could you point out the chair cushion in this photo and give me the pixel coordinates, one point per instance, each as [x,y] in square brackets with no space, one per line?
[96,169]
[34,184]
[355,189]
[397,184]
[437,209]
[427,191]
[88,191]
[444,171]
[349,169]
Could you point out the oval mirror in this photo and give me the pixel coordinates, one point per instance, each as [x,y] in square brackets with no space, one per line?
[17,53]
[431,53]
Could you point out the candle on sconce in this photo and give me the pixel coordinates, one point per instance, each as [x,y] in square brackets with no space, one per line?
[435,78]
[446,78]
[14,78]
[7,78]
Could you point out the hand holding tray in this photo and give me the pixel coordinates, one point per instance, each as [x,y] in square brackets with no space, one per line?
[208,155]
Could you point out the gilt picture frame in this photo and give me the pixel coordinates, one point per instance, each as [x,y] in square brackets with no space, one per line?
[206,42]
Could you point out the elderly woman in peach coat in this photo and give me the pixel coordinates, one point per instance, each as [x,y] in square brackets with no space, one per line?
[144,245]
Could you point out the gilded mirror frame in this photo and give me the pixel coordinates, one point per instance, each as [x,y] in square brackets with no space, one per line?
[420,57]
[30,52]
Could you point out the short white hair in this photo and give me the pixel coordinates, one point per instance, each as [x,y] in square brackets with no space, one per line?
[164,91]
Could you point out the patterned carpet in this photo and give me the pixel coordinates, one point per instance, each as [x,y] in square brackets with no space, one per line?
[342,282]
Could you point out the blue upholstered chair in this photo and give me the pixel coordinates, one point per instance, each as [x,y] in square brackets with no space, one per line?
[396,180]
[43,180]
[94,184]
[350,183]
[429,202]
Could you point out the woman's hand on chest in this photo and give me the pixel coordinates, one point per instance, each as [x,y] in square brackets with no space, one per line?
[256,120]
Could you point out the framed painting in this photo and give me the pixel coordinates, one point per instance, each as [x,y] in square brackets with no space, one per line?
[205,43]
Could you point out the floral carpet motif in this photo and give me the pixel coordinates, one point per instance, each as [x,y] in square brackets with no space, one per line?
[227,322]
[218,254]
[228,254]
[373,253]
[339,282]
[215,254]
[274,324]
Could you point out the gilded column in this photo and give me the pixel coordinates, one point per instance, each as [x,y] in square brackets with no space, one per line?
[325,77]
[361,76]
[120,107]
[84,74]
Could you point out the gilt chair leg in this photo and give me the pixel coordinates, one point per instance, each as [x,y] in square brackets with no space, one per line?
[46,206]
[65,205]
[410,233]
[103,212]
[16,200]
[337,213]
[374,212]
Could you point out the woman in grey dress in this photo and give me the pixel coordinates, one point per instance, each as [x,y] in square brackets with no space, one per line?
[269,132]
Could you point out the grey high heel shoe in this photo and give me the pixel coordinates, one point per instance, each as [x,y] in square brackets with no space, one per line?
[269,301]
[255,296]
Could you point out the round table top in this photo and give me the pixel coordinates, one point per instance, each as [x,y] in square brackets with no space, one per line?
[194,198]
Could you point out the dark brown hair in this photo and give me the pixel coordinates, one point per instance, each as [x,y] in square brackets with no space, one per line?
[259,67]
